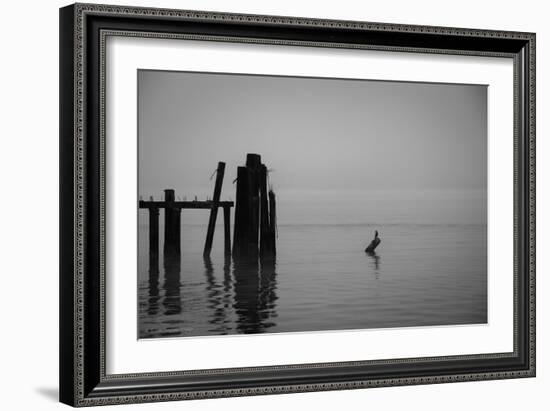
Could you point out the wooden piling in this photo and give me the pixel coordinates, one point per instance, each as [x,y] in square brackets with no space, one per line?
[214,210]
[172,225]
[253,164]
[168,219]
[265,247]
[272,223]
[227,231]
[240,225]
[153,239]
[154,271]
[254,223]
[253,160]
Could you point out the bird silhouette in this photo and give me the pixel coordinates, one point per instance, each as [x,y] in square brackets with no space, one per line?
[373,244]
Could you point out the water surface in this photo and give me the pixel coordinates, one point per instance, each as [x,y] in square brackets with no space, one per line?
[430,269]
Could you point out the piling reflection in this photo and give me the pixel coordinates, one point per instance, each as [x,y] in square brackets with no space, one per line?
[172,285]
[254,295]
[375,258]
[154,274]
[238,297]
[154,295]
[268,294]
[216,297]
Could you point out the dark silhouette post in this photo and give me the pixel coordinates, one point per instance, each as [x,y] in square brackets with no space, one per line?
[214,210]
[253,164]
[227,230]
[172,225]
[254,220]
[153,239]
[272,232]
[240,225]
[266,250]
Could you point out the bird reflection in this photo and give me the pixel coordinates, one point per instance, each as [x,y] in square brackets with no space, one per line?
[376,263]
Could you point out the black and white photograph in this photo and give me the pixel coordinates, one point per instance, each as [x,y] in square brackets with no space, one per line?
[278,204]
[264,199]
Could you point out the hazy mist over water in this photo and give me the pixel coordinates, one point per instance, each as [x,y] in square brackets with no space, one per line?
[312,133]
[374,206]
[346,158]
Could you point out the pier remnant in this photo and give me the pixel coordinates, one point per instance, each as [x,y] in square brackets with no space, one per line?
[227,231]
[253,164]
[253,213]
[153,239]
[272,230]
[264,214]
[214,211]
[172,224]
[241,221]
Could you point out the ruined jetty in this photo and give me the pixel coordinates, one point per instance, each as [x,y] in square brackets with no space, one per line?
[255,216]
[172,220]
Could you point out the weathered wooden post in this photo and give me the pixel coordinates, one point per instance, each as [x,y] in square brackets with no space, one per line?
[154,271]
[253,164]
[227,230]
[172,225]
[153,239]
[272,223]
[240,225]
[172,255]
[214,210]
[254,222]
[265,247]
[169,196]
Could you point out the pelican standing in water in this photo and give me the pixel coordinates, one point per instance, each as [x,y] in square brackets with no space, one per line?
[373,244]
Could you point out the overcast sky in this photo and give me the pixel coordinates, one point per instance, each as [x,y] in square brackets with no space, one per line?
[313,133]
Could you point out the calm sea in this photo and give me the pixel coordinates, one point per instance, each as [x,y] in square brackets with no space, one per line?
[430,268]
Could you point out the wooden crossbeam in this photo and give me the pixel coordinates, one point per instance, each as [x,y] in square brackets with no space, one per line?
[206,205]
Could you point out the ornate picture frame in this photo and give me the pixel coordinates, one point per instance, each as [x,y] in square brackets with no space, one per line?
[84,29]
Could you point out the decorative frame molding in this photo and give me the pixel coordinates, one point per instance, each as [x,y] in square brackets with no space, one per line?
[83,32]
